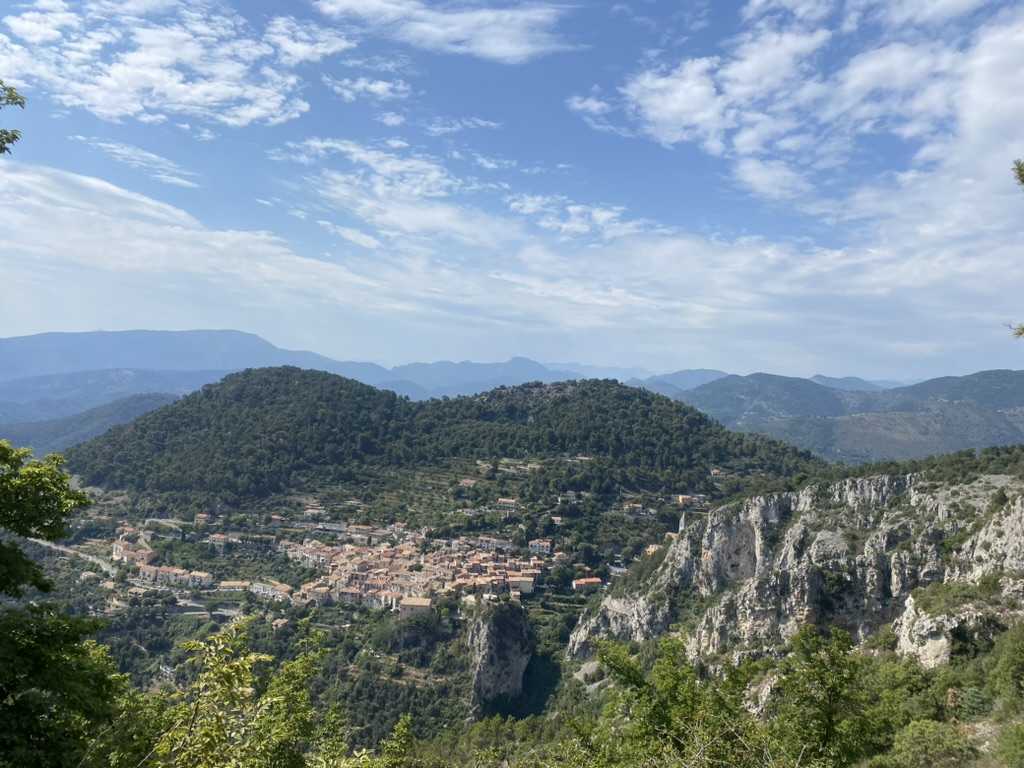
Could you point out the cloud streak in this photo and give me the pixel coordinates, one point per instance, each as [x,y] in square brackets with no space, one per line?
[514,34]
[156,167]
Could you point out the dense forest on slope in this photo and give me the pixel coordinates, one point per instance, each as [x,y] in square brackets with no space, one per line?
[268,431]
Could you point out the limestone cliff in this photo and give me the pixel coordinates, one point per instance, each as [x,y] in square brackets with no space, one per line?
[745,576]
[501,644]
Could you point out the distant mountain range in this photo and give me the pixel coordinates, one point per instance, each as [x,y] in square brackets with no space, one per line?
[58,374]
[53,376]
[56,435]
[936,416]
[59,395]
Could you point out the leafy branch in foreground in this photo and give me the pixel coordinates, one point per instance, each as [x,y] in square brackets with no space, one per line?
[231,717]
[9,97]
[671,717]
[239,713]
[56,689]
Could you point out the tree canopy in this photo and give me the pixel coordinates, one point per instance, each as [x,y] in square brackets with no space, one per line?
[56,688]
[36,500]
[9,97]
[272,430]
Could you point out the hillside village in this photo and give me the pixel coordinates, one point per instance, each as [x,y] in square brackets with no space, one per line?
[389,567]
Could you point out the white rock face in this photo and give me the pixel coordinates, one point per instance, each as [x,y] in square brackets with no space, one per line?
[847,555]
[501,643]
[927,637]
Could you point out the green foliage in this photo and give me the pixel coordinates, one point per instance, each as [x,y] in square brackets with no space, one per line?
[946,598]
[494,741]
[929,744]
[57,689]
[670,717]
[1010,748]
[959,468]
[639,574]
[274,430]
[9,97]
[884,639]
[1005,677]
[895,691]
[821,702]
[36,500]
[231,718]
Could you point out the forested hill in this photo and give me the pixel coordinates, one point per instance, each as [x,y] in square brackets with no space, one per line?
[274,430]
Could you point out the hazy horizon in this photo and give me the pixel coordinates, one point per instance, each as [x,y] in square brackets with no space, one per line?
[804,186]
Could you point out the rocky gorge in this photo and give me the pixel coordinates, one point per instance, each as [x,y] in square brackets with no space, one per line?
[931,564]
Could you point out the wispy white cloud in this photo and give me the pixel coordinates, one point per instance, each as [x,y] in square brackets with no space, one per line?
[391,119]
[511,35]
[588,105]
[405,272]
[683,104]
[394,194]
[148,60]
[809,10]
[492,163]
[379,90]
[352,235]
[789,99]
[770,179]
[914,12]
[556,213]
[299,42]
[153,165]
[412,175]
[44,25]
[441,126]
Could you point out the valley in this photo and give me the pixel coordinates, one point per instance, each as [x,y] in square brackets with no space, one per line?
[470,558]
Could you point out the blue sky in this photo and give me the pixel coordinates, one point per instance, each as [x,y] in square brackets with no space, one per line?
[791,186]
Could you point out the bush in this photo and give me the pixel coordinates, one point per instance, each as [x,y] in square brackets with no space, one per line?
[929,744]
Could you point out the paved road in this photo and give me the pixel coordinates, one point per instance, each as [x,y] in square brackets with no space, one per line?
[104,564]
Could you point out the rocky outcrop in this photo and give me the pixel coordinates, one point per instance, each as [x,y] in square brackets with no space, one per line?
[930,638]
[747,575]
[501,645]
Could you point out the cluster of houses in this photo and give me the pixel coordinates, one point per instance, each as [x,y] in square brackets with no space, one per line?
[390,570]
[386,568]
